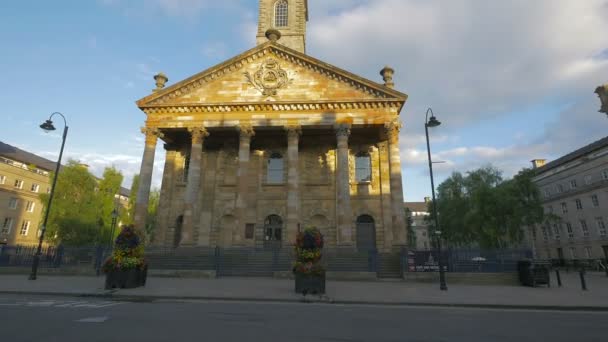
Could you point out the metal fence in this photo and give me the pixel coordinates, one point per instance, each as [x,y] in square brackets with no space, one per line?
[249,261]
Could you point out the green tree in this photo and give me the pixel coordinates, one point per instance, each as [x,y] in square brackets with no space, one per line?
[74,208]
[107,189]
[483,209]
[132,200]
[153,201]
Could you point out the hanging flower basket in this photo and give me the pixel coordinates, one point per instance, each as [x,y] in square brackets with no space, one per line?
[308,271]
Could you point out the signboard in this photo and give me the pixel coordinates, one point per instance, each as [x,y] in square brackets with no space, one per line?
[423,261]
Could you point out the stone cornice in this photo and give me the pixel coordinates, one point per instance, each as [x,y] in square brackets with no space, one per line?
[271,107]
[188,85]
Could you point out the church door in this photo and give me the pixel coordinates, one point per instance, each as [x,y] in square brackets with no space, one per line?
[366,233]
[273,232]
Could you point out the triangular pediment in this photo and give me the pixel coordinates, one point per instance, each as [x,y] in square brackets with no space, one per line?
[271,73]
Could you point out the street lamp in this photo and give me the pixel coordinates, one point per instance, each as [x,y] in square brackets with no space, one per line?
[114,217]
[433,122]
[48,126]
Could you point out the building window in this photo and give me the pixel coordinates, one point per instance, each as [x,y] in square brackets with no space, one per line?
[573,184]
[35,187]
[570,230]
[605,174]
[584,228]
[275,169]
[363,167]
[560,188]
[2,179]
[564,208]
[18,184]
[595,200]
[588,252]
[588,180]
[579,204]
[12,203]
[556,232]
[7,226]
[601,226]
[25,228]
[281,14]
[29,207]
[545,234]
[573,253]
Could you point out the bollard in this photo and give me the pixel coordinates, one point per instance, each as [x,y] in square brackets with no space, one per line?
[582,275]
[559,279]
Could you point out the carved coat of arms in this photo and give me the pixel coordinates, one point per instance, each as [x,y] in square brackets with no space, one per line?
[268,78]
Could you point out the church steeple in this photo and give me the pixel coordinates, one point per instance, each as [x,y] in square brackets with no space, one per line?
[287,16]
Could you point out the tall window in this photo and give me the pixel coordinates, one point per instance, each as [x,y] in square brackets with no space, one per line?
[560,188]
[7,225]
[545,235]
[12,203]
[595,200]
[564,208]
[556,232]
[18,184]
[25,228]
[570,231]
[584,228]
[588,179]
[573,184]
[35,188]
[2,179]
[363,167]
[605,174]
[281,14]
[29,207]
[588,252]
[601,226]
[579,204]
[275,169]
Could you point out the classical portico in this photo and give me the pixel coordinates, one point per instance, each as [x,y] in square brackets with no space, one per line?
[271,141]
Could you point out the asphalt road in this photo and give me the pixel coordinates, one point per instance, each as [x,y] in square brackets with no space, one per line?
[30,318]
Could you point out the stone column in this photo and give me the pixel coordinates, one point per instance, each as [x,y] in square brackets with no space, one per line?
[166,194]
[145,177]
[344,212]
[392,129]
[293,182]
[245,133]
[198,135]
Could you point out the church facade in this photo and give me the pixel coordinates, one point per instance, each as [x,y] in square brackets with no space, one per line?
[271,141]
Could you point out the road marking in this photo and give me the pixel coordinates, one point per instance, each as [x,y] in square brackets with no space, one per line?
[93,319]
[64,304]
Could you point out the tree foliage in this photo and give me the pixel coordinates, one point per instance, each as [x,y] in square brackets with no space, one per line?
[82,205]
[153,202]
[481,208]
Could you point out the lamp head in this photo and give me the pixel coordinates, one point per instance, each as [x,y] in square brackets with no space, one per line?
[433,122]
[48,126]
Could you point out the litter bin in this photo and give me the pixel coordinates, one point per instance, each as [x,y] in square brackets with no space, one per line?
[533,273]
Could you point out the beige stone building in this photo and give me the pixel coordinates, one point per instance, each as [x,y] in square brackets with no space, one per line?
[274,140]
[574,188]
[419,212]
[23,176]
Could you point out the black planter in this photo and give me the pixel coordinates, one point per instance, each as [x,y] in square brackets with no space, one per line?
[126,279]
[310,284]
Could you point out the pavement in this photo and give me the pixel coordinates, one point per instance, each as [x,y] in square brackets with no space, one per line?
[568,297]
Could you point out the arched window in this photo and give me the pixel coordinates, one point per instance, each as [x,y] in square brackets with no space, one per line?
[363,167]
[281,14]
[275,169]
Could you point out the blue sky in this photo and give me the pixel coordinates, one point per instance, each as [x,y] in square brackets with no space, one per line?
[511,81]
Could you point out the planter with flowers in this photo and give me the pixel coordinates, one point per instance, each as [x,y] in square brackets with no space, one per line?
[308,270]
[126,268]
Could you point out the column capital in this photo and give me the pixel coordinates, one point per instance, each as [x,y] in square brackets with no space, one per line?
[198,134]
[392,129]
[342,130]
[152,134]
[246,130]
[293,130]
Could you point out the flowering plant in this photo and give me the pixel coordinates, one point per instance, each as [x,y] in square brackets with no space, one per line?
[128,252]
[308,252]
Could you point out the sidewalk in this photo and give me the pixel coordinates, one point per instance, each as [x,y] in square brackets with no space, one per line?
[569,297]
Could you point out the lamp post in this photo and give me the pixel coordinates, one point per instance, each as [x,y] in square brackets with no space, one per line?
[114,217]
[433,122]
[48,126]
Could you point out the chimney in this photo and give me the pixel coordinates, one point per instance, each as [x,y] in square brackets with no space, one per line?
[427,200]
[536,163]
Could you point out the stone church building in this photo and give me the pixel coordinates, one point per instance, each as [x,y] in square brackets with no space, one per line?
[271,141]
